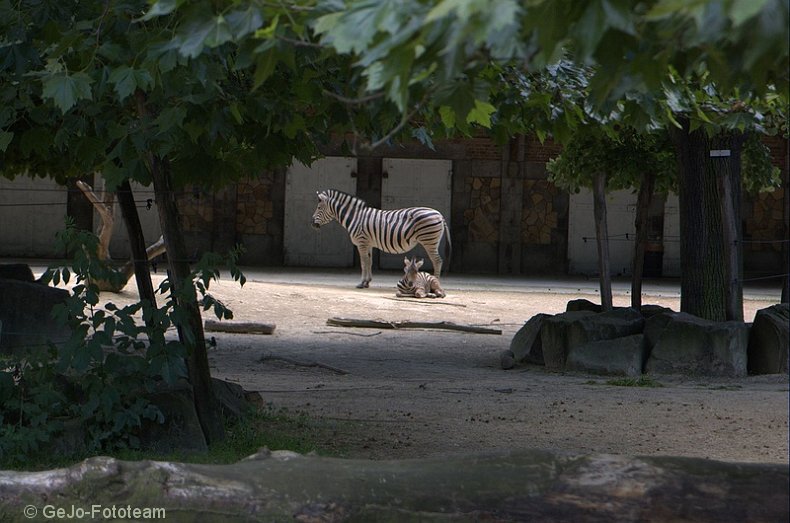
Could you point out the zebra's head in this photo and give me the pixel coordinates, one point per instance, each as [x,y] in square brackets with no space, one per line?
[323,213]
[411,268]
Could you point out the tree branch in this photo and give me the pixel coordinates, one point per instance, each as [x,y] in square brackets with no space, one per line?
[381,324]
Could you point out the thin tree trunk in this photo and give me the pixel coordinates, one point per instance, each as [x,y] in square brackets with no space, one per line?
[786,245]
[183,291]
[602,239]
[136,242]
[642,212]
[703,279]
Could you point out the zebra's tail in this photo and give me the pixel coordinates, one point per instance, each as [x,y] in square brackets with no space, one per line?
[448,246]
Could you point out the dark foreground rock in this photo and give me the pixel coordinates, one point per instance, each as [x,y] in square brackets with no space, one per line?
[769,340]
[519,486]
[526,345]
[26,315]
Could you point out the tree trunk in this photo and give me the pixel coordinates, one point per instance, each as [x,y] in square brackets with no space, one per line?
[703,279]
[136,242]
[786,244]
[183,292]
[602,239]
[505,486]
[728,170]
[642,212]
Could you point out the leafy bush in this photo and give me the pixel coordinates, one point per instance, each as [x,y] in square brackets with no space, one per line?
[103,373]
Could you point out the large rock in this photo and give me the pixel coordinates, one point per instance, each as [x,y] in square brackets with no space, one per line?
[26,315]
[650,310]
[694,346]
[624,356]
[554,337]
[655,325]
[16,271]
[526,344]
[769,340]
[605,326]
[581,304]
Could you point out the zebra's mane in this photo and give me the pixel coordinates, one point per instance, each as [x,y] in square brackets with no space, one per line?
[334,193]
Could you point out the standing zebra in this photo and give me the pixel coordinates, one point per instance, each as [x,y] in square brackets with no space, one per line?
[395,231]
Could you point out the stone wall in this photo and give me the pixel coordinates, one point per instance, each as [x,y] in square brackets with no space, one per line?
[196,208]
[254,205]
[539,213]
[481,217]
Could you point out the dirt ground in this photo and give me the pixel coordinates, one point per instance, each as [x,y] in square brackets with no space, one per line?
[416,393]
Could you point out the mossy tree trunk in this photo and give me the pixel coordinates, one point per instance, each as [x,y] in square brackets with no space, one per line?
[517,486]
[704,260]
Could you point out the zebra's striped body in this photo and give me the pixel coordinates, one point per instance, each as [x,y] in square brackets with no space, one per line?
[418,284]
[394,232]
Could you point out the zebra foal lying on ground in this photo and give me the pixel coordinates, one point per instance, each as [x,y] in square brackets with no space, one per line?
[394,232]
[418,284]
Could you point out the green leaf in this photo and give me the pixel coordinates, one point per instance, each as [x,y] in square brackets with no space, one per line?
[124,80]
[159,8]
[196,34]
[243,22]
[264,67]
[65,90]
[481,113]
[447,115]
[169,118]
[295,125]
[219,33]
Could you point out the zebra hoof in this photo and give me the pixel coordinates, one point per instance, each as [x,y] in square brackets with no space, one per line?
[363,285]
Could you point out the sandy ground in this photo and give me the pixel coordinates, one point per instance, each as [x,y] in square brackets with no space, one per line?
[416,393]
[413,393]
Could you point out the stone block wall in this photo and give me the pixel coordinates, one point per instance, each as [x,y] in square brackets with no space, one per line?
[254,205]
[540,218]
[481,217]
[196,208]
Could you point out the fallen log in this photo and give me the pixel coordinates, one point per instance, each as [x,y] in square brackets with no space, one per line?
[517,486]
[382,324]
[240,327]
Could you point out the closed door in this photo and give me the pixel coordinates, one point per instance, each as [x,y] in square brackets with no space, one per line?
[303,245]
[415,183]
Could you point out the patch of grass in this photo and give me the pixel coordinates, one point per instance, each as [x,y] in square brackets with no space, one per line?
[274,429]
[641,381]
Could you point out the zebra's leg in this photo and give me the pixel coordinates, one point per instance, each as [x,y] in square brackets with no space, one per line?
[436,260]
[366,261]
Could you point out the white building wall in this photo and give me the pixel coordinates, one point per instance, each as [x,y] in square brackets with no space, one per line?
[31,212]
[582,248]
